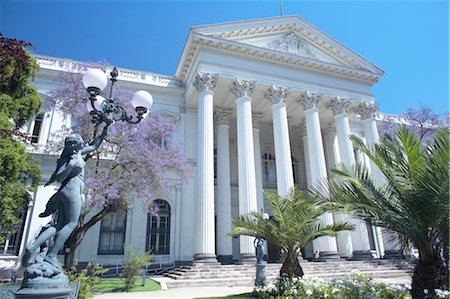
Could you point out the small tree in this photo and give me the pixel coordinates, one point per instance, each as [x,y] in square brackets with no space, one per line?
[135,262]
[19,102]
[294,224]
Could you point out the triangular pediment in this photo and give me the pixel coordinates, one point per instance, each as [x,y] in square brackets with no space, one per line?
[284,39]
[290,43]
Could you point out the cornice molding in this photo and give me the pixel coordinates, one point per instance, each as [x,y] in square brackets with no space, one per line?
[276,94]
[242,88]
[245,50]
[71,66]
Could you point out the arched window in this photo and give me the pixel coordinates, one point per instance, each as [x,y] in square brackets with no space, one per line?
[158,229]
[268,166]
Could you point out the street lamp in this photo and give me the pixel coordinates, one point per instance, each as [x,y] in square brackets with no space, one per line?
[109,110]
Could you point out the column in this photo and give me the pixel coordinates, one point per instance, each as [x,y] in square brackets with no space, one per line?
[325,246]
[302,130]
[359,236]
[243,90]
[204,233]
[224,245]
[367,112]
[331,144]
[285,179]
[258,168]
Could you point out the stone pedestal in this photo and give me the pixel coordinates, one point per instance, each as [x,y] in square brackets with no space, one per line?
[28,293]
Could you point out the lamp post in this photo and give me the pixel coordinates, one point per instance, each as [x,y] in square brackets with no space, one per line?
[261,275]
[43,277]
[110,110]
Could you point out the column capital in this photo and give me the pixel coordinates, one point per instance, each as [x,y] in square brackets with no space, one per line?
[205,81]
[242,88]
[256,120]
[222,117]
[276,94]
[339,105]
[366,110]
[309,100]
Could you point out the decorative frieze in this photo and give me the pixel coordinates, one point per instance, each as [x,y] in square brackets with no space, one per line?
[205,81]
[242,88]
[366,110]
[309,100]
[339,105]
[292,44]
[222,117]
[276,94]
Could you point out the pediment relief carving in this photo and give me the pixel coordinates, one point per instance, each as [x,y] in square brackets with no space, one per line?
[293,44]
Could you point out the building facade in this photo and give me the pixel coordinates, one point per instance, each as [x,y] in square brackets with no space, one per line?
[259,105]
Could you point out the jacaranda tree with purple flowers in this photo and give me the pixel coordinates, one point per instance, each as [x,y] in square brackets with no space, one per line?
[422,122]
[132,165]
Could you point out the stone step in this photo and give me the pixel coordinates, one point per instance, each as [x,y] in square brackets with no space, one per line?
[243,274]
[249,281]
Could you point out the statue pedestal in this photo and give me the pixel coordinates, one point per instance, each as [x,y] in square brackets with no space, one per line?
[44,280]
[45,293]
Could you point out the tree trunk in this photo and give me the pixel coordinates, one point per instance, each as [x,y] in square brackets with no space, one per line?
[77,236]
[429,274]
[291,267]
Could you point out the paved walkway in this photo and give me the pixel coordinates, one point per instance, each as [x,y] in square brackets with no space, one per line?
[180,293]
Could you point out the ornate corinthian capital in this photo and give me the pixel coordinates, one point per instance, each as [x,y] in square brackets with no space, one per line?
[222,117]
[339,105]
[308,100]
[256,120]
[366,110]
[242,88]
[276,94]
[205,81]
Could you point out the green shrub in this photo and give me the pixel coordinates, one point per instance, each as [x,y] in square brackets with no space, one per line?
[352,287]
[134,262]
[87,279]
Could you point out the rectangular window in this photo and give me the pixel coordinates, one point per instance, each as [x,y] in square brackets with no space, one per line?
[37,128]
[112,234]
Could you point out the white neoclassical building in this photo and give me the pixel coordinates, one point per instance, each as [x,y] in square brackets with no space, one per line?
[259,105]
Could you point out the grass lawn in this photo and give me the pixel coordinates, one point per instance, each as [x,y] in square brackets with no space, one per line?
[240,296]
[111,285]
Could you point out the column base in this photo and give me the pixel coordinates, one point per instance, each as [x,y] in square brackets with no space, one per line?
[359,255]
[205,259]
[247,258]
[327,255]
[393,255]
[225,259]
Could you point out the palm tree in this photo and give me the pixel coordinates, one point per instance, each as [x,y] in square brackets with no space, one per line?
[412,200]
[294,223]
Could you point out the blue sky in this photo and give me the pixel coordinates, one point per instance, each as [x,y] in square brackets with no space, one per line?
[407,39]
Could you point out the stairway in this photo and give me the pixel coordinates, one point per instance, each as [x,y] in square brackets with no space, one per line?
[243,275]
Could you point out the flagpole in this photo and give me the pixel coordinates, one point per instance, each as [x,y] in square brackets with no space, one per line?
[281,7]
